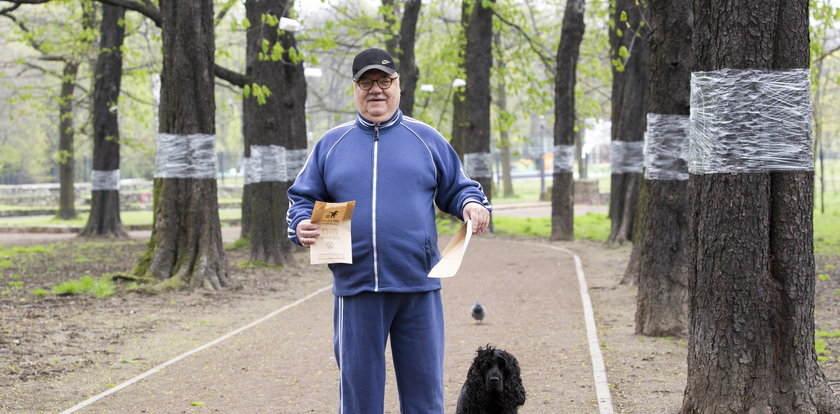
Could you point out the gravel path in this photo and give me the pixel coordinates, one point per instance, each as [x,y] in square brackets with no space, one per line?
[286,365]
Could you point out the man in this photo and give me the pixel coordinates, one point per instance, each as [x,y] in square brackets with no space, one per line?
[396,169]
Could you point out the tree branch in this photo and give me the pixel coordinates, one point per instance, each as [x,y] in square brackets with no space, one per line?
[234,78]
[144,7]
[536,47]
[19,2]
[827,54]
[8,10]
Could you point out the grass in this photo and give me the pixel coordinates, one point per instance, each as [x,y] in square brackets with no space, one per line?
[98,288]
[591,226]
[128,218]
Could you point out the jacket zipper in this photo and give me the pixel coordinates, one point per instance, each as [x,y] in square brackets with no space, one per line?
[373,206]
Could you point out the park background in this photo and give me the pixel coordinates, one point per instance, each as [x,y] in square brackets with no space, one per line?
[38,41]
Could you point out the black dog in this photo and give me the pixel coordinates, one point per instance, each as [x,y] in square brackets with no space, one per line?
[493,385]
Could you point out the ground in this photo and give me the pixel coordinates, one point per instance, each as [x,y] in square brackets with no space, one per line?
[55,350]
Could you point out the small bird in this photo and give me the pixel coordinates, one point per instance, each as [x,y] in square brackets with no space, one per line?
[478,312]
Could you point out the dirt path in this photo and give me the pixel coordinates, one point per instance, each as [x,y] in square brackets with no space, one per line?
[286,365]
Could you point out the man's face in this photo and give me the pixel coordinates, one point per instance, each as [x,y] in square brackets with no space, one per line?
[377,104]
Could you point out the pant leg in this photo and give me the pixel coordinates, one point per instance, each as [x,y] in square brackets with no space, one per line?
[417,345]
[360,331]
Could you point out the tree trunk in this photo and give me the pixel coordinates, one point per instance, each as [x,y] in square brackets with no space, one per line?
[66,158]
[186,243]
[478,60]
[459,104]
[629,103]
[504,135]
[751,274]
[662,243]
[272,129]
[104,219]
[401,47]
[562,192]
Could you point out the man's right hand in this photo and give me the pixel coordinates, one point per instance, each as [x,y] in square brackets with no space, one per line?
[307,232]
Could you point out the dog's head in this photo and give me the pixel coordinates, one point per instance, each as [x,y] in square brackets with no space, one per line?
[496,373]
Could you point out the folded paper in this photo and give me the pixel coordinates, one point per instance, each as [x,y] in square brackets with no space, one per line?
[453,253]
[335,244]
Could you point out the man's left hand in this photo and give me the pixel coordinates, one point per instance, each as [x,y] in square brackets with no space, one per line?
[479,215]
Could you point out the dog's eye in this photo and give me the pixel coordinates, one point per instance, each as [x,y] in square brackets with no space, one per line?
[502,362]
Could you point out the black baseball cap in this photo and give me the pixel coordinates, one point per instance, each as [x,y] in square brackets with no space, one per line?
[373,59]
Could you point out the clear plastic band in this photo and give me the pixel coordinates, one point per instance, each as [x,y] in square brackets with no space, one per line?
[105,180]
[295,159]
[747,121]
[564,158]
[627,156]
[266,164]
[185,156]
[666,147]
[477,164]
[247,170]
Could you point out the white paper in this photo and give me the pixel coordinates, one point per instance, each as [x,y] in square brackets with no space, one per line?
[453,253]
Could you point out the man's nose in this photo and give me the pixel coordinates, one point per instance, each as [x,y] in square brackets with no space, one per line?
[375,87]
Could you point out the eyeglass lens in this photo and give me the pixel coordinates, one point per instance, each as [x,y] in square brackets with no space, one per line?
[383,82]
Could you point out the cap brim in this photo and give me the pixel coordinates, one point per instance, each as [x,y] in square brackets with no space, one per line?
[369,67]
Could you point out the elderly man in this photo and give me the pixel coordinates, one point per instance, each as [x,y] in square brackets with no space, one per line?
[396,169]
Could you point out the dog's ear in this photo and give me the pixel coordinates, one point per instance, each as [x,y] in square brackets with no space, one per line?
[514,395]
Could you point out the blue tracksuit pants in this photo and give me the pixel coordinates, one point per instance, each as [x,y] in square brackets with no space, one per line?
[414,322]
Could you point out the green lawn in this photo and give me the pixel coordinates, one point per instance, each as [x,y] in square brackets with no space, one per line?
[128,218]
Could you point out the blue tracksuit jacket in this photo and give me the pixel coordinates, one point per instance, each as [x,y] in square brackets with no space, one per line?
[396,171]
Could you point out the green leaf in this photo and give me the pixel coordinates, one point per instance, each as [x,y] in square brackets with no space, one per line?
[623,52]
[623,16]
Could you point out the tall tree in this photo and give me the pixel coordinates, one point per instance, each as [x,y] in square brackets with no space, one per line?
[751,277]
[562,197]
[459,104]
[104,218]
[72,55]
[401,47]
[629,102]
[506,118]
[662,243]
[478,60]
[186,243]
[274,127]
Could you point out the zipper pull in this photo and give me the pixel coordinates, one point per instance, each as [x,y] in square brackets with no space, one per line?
[376,132]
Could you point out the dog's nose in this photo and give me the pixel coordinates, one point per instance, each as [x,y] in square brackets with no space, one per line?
[494,379]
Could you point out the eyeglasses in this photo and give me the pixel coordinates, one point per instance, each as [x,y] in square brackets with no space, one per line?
[383,82]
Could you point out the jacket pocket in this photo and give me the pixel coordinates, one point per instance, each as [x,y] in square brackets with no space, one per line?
[429,253]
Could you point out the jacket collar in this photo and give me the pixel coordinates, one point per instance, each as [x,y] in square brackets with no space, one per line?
[366,125]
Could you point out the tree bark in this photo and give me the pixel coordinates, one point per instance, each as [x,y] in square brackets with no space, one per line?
[459,105]
[280,122]
[629,102]
[66,132]
[186,243]
[504,135]
[66,128]
[662,243]
[104,219]
[478,60]
[562,192]
[409,73]
[751,274]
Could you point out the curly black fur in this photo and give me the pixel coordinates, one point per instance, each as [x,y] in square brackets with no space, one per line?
[493,384]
